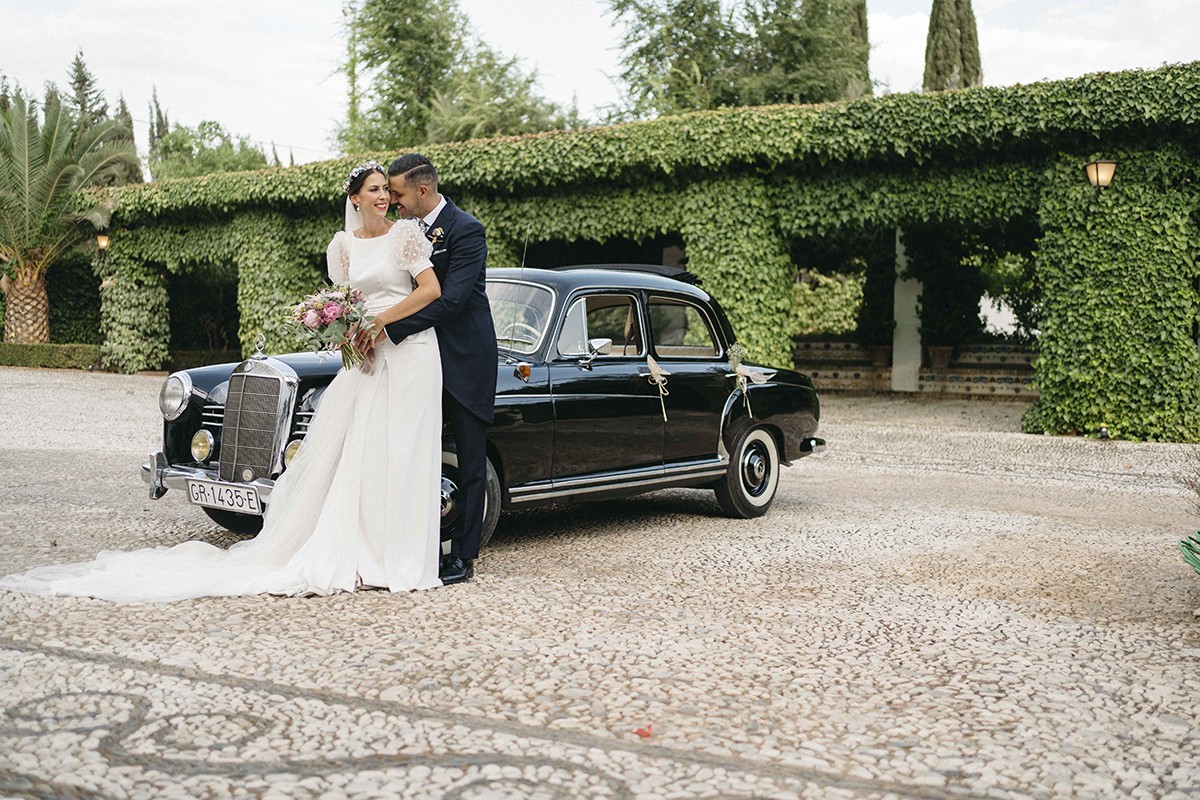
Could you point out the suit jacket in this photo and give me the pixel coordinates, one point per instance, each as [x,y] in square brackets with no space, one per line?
[462,315]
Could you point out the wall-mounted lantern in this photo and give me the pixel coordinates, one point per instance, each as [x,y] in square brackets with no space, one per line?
[1100,174]
[102,241]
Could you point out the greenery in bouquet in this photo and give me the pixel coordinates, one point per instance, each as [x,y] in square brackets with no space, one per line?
[328,320]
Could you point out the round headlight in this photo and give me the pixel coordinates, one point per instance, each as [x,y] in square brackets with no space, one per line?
[289,452]
[202,445]
[173,397]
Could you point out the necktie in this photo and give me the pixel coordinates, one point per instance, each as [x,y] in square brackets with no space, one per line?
[424,226]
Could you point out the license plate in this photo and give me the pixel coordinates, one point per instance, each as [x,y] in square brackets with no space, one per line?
[243,499]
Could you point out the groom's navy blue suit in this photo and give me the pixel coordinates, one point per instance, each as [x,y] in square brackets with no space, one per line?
[467,339]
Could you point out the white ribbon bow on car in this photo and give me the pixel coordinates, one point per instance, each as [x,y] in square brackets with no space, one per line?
[658,376]
[745,376]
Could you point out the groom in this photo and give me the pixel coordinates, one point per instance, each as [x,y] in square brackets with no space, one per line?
[466,337]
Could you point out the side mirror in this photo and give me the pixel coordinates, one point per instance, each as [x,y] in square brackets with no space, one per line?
[599,347]
[596,347]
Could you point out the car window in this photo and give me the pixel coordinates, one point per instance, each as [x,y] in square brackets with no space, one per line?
[520,313]
[681,330]
[602,316]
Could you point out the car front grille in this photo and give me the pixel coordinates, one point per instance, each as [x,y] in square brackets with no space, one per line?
[249,440]
[212,418]
[303,420]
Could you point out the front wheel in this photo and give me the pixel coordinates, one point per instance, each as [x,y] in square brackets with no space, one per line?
[491,500]
[243,524]
[749,485]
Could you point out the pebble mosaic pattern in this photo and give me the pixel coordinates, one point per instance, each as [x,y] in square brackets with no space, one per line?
[939,607]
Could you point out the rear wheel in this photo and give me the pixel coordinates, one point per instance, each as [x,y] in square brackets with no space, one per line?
[749,485]
[244,524]
[491,500]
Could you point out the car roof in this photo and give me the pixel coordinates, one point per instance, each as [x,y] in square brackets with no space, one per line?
[607,276]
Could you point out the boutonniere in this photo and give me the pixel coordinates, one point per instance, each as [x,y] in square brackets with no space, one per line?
[436,235]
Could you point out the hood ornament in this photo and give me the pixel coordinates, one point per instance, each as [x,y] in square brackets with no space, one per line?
[260,344]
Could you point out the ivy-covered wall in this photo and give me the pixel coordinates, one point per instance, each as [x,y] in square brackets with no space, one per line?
[1118,346]
[738,188]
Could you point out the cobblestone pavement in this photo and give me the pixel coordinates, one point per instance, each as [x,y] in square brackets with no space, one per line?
[939,607]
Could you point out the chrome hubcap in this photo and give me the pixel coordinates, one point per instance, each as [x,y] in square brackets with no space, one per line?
[755,469]
[448,492]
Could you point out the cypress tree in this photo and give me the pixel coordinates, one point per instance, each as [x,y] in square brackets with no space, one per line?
[159,126]
[858,83]
[952,47]
[133,174]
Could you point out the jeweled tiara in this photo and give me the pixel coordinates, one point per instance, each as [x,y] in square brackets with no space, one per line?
[366,166]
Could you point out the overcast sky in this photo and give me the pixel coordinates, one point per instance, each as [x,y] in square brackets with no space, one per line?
[268,68]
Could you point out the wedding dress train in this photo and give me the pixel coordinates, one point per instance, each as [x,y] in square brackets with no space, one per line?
[360,503]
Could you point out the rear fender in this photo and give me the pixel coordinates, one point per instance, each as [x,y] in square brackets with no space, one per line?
[787,409]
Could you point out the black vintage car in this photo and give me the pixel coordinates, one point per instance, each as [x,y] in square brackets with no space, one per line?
[613,380]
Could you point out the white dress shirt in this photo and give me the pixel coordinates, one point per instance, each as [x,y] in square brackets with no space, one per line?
[432,216]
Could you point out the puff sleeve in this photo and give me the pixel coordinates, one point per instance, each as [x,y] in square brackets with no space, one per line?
[411,247]
[338,257]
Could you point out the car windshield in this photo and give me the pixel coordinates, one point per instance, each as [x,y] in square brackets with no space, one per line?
[520,312]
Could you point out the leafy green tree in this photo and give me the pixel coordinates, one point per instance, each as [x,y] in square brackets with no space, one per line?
[952,47]
[188,152]
[416,75]
[489,95]
[401,51]
[44,168]
[808,52]
[680,55]
[685,55]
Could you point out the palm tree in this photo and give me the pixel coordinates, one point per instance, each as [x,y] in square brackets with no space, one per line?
[43,170]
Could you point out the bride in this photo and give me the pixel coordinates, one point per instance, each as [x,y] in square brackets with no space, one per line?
[360,503]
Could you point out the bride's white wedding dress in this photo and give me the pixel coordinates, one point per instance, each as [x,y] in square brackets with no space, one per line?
[360,503]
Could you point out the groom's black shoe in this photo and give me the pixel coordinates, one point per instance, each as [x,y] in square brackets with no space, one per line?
[456,570]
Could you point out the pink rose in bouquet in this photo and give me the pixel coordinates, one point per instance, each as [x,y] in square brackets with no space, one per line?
[330,312]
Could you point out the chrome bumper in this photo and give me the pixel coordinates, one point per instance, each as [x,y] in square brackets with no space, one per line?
[812,446]
[162,476]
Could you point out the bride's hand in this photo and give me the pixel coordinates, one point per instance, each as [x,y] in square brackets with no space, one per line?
[363,337]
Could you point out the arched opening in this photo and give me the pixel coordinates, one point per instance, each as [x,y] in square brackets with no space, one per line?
[202,302]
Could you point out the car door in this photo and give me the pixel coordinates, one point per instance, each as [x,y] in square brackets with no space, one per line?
[685,344]
[607,416]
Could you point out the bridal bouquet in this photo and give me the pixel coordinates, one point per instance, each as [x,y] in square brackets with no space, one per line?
[329,319]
